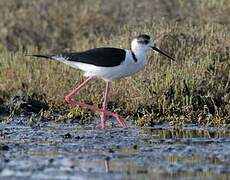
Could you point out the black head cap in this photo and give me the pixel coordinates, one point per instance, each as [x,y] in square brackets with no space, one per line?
[143,39]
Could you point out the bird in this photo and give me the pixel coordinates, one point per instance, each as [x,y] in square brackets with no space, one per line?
[108,64]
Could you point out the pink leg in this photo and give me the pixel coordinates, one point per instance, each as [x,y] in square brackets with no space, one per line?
[69,99]
[104,107]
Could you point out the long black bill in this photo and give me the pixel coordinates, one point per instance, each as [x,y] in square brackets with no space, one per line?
[158,50]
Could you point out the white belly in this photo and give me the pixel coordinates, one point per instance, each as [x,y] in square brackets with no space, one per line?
[107,73]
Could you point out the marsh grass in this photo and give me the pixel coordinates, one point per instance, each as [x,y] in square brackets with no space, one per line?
[194,89]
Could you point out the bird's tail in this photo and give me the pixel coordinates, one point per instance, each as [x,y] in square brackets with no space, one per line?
[41,56]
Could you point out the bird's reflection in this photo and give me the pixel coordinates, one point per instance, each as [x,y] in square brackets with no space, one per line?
[107,166]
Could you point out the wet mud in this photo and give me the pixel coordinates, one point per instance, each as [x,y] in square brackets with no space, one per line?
[50,150]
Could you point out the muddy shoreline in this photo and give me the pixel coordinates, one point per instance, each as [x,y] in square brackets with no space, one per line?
[53,150]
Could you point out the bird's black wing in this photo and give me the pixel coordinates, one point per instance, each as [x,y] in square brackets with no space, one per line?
[105,57]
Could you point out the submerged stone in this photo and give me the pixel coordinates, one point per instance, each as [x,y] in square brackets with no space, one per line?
[4,147]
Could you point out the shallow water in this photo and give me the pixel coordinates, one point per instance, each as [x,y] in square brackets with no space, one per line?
[50,150]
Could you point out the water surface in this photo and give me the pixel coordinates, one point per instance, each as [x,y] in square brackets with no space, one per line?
[49,150]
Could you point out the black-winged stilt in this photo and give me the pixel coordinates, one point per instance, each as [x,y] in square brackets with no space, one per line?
[107,63]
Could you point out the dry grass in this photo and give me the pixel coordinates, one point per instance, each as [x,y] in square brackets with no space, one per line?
[195,89]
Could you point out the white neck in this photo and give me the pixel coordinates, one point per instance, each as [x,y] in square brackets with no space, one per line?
[139,50]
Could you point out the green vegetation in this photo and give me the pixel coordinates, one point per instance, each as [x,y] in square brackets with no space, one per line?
[197,33]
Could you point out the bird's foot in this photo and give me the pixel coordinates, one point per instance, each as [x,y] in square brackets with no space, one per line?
[120,120]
